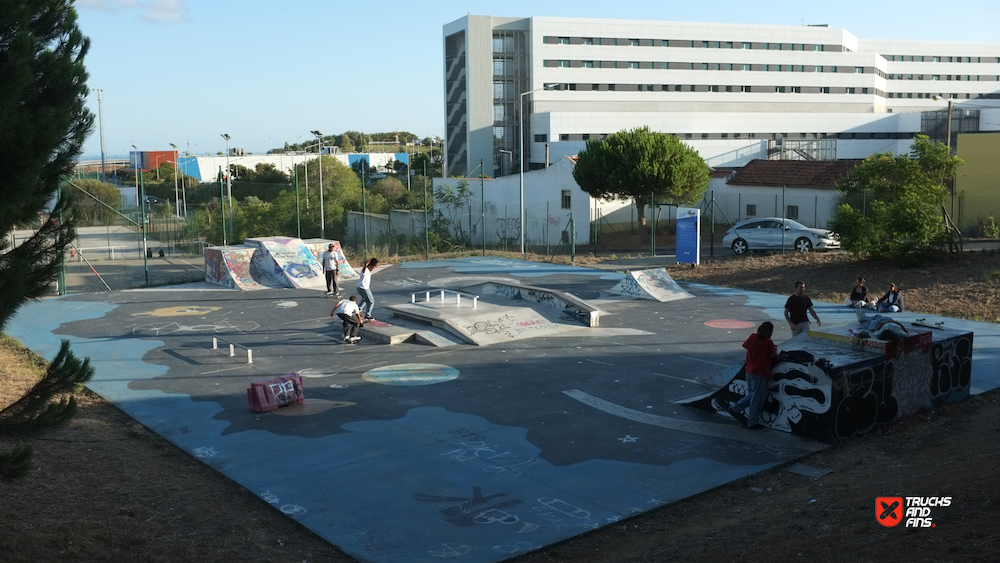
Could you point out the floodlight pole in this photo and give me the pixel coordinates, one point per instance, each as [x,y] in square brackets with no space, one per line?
[229,185]
[520,164]
[322,221]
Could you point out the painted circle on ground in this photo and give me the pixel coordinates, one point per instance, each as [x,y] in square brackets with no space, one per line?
[411,374]
[729,323]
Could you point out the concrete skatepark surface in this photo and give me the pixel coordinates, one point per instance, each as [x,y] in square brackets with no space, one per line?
[410,452]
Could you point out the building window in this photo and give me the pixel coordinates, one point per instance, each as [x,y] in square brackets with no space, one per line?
[704,135]
[704,66]
[850,90]
[725,135]
[587,41]
[564,40]
[665,43]
[746,67]
[824,90]
[751,210]
[564,137]
[633,64]
[664,66]
[704,44]
[692,88]
[542,138]
[595,87]
[677,87]
[567,201]
[688,135]
[864,90]
[779,89]
[796,89]
[936,77]
[744,88]
[817,69]
[563,64]
[633,42]
[817,47]
[793,212]
[611,87]
[729,44]
[729,88]
[587,64]
[859,70]
[713,88]
[746,45]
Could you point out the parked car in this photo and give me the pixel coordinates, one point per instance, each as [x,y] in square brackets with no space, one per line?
[768,233]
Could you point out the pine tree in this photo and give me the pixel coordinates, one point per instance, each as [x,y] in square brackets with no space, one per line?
[43,124]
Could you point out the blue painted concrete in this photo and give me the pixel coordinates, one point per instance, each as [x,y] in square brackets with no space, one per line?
[488,466]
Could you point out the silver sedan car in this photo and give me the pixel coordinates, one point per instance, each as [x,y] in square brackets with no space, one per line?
[769,233]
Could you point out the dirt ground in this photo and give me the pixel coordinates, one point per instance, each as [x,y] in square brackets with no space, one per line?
[105,489]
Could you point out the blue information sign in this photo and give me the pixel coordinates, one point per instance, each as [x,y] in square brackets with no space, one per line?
[688,239]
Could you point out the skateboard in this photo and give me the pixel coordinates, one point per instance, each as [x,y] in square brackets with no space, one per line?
[924,323]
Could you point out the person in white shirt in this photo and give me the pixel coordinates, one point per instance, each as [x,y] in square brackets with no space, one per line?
[364,288]
[347,310]
[332,269]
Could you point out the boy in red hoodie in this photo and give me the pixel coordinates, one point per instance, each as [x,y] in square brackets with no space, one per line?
[760,353]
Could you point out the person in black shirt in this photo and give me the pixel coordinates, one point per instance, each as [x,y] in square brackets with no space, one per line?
[795,310]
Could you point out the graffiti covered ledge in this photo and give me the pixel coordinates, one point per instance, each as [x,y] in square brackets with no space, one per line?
[832,385]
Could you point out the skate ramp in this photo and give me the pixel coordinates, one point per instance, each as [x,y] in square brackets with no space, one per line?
[830,388]
[293,259]
[319,245]
[234,267]
[560,302]
[654,284]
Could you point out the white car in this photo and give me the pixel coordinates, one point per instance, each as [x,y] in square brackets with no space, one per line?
[769,233]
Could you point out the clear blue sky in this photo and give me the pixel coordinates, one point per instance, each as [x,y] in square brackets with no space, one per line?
[186,71]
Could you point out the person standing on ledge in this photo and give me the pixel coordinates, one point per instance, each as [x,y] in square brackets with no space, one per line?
[795,310]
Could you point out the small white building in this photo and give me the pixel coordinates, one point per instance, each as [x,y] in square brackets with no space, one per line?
[801,190]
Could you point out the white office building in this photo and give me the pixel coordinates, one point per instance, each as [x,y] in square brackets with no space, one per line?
[733,92]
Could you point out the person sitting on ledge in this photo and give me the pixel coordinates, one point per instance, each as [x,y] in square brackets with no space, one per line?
[859,295]
[891,302]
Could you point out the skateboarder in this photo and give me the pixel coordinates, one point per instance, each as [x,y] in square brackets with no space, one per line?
[364,288]
[332,269]
[347,310]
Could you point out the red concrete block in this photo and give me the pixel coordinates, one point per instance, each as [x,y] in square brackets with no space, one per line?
[265,396]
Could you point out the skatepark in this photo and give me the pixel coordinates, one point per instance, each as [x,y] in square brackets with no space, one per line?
[494,407]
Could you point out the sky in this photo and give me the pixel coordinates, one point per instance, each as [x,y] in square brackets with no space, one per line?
[266,73]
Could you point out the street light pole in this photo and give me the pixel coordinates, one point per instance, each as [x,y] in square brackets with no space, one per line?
[142,215]
[229,185]
[520,164]
[322,221]
[177,199]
